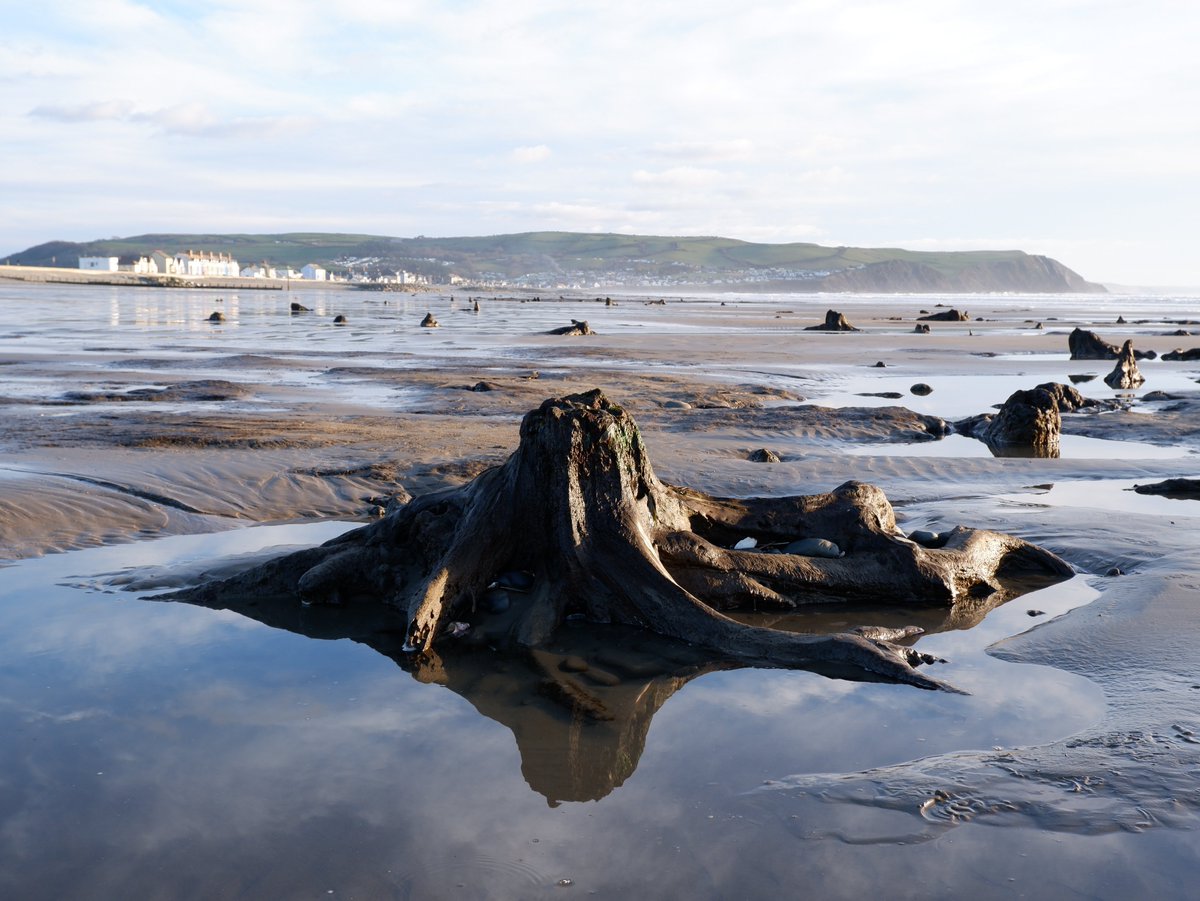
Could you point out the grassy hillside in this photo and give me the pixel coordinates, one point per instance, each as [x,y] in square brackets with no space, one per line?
[540,258]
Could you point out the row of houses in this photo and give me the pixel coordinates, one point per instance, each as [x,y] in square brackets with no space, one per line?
[199,263]
[310,271]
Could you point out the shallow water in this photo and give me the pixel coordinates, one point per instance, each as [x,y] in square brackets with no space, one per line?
[162,745]
[957,395]
[261,341]
[154,749]
[1072,447]
[1110,495]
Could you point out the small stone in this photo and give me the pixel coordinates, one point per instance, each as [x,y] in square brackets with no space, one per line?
[1115,571]
[1035,612]
[746,544]
[921,389]
[924,537]
[813,547]
[881,365]
[574,664]
[763,455]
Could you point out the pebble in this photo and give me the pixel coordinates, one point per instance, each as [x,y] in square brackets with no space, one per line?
[814,547]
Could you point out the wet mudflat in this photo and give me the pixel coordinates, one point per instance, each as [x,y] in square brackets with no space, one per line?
[169,750]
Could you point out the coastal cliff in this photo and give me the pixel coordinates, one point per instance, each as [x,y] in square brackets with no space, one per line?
[1023,274]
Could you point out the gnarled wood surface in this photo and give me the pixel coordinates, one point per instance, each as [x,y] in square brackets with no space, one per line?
[579,507]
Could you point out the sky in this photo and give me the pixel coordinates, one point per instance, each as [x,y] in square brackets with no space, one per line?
[1069,128]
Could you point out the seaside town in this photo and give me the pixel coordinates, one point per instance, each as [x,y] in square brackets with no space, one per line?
[208,264]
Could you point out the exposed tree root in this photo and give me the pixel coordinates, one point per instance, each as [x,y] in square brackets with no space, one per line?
[578,507]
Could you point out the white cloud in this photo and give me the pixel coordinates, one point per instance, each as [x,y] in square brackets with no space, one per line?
[866,122]
[679,177]
[705,151]
[535,154]
[113,110]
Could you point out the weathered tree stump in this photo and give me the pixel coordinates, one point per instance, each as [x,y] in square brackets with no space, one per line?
[577,328]
[577,512]
[1085,345]
[1029,424]
[1125,374]
[834,322]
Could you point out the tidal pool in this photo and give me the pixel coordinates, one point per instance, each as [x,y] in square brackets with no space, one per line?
[1072,447]
[159,749]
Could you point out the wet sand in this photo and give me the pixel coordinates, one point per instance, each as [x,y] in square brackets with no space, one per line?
[121,435]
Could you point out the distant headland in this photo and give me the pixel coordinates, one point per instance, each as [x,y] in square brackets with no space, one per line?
[567,260]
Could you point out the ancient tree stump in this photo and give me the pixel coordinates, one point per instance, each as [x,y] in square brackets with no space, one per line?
[1125,374]
[834,322]
[578,512]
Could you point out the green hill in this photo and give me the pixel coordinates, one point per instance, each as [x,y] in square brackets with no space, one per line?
[567,259]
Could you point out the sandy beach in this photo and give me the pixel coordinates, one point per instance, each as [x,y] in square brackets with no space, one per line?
[129,417]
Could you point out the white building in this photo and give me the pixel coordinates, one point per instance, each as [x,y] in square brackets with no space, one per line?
[205,263]
[99,264]
[165,262]
[142,266]
[313,272]
[259,270]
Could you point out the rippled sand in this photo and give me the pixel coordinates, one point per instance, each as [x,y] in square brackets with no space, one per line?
[114,433]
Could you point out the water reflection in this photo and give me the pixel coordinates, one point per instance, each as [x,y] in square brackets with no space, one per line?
[580,707]
[156,749]
[1074,447]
